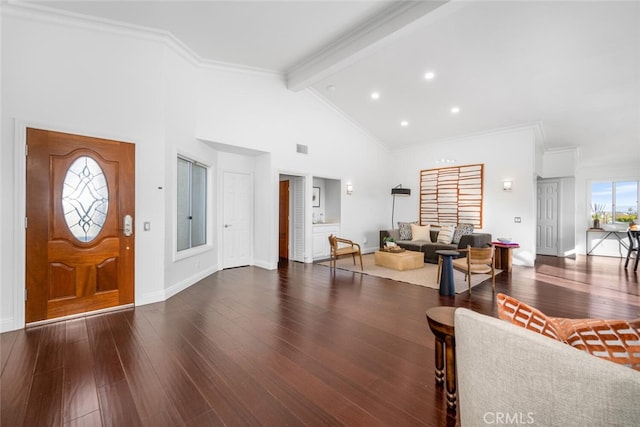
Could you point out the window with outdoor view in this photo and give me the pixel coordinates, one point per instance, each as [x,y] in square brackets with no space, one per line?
[614,201]
[192,204]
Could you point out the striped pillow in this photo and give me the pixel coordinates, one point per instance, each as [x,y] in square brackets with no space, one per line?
[445,235]
[614,340]
[521,314]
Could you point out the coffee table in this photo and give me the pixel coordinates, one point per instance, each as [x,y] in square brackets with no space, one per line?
[405,260]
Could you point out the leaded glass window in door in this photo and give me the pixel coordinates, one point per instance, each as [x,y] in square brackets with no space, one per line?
[85,198]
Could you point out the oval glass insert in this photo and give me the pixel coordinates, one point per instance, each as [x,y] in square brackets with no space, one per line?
[85,198]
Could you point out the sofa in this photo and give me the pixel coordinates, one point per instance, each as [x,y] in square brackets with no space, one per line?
[430,246]
[507,374]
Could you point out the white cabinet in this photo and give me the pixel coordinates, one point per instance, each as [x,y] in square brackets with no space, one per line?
[321,233]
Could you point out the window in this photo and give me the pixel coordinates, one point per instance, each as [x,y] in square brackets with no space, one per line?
[192,204]
[616,201]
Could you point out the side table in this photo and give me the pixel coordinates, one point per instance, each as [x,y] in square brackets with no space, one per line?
[441,323]
[504,255]
[447,286]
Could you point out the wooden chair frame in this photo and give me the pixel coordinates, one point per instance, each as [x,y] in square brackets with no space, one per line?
[477,261]
[340,247]
[634,246]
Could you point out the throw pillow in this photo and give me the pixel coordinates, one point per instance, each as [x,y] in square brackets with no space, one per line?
[445,235]
[405,230]
[461,230]
[521,314]
[420,232]
[614,340]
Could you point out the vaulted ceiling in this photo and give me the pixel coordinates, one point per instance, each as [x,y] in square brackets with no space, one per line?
[571,67]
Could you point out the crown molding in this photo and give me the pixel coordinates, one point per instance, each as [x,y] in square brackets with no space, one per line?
[76,20]
[361,41]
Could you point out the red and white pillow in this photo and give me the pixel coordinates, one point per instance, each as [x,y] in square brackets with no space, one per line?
[614,340]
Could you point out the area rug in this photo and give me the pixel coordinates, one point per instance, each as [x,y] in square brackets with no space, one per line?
[425,276]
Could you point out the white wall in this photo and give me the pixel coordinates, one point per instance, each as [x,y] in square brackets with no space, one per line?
[73,76]
[507,155]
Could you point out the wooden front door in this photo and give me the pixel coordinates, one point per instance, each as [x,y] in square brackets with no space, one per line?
[79,236]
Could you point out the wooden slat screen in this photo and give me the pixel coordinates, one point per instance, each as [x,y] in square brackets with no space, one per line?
[452,195]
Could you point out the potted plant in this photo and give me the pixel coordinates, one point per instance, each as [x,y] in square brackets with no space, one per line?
[597,210]
[389,241]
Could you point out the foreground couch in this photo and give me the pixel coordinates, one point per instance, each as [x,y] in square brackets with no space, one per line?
[429,247]
[512,376]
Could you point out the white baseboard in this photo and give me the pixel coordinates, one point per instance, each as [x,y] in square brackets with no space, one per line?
[266,265]
[7,325]
[184,284]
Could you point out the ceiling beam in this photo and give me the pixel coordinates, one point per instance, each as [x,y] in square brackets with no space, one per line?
[359,42]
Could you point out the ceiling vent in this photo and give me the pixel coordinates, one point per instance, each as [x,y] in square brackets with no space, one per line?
[302,149]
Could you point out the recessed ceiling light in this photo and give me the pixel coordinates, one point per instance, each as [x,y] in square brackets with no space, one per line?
[375,95]
[331,88]
[429,75]
[404,123]
[455,110]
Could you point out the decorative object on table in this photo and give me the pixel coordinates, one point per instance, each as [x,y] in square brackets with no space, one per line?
[504,239]
[315,197]
[598,214]
[452,195]
[398,191]
[389,242]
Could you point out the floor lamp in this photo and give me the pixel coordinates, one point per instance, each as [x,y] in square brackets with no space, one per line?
[397,191]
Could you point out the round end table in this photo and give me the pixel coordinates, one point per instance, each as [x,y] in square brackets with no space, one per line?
[441,323]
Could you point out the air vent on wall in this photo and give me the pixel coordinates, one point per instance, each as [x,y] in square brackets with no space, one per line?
[301,148]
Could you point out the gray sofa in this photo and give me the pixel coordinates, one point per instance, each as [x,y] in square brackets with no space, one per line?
[507,374]
[429,248]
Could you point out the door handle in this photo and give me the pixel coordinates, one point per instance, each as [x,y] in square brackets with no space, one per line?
[227,225]
[127,226]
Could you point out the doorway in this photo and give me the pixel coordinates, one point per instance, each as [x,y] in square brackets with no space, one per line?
[283,221]
[80,215]
[291,218]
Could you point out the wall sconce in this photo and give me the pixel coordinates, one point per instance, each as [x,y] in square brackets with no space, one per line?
[506,185]
[349,189]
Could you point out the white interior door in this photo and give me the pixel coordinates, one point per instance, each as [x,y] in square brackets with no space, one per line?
[547,218]
[237,235]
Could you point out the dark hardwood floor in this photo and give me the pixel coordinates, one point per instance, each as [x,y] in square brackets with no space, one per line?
[296,346]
